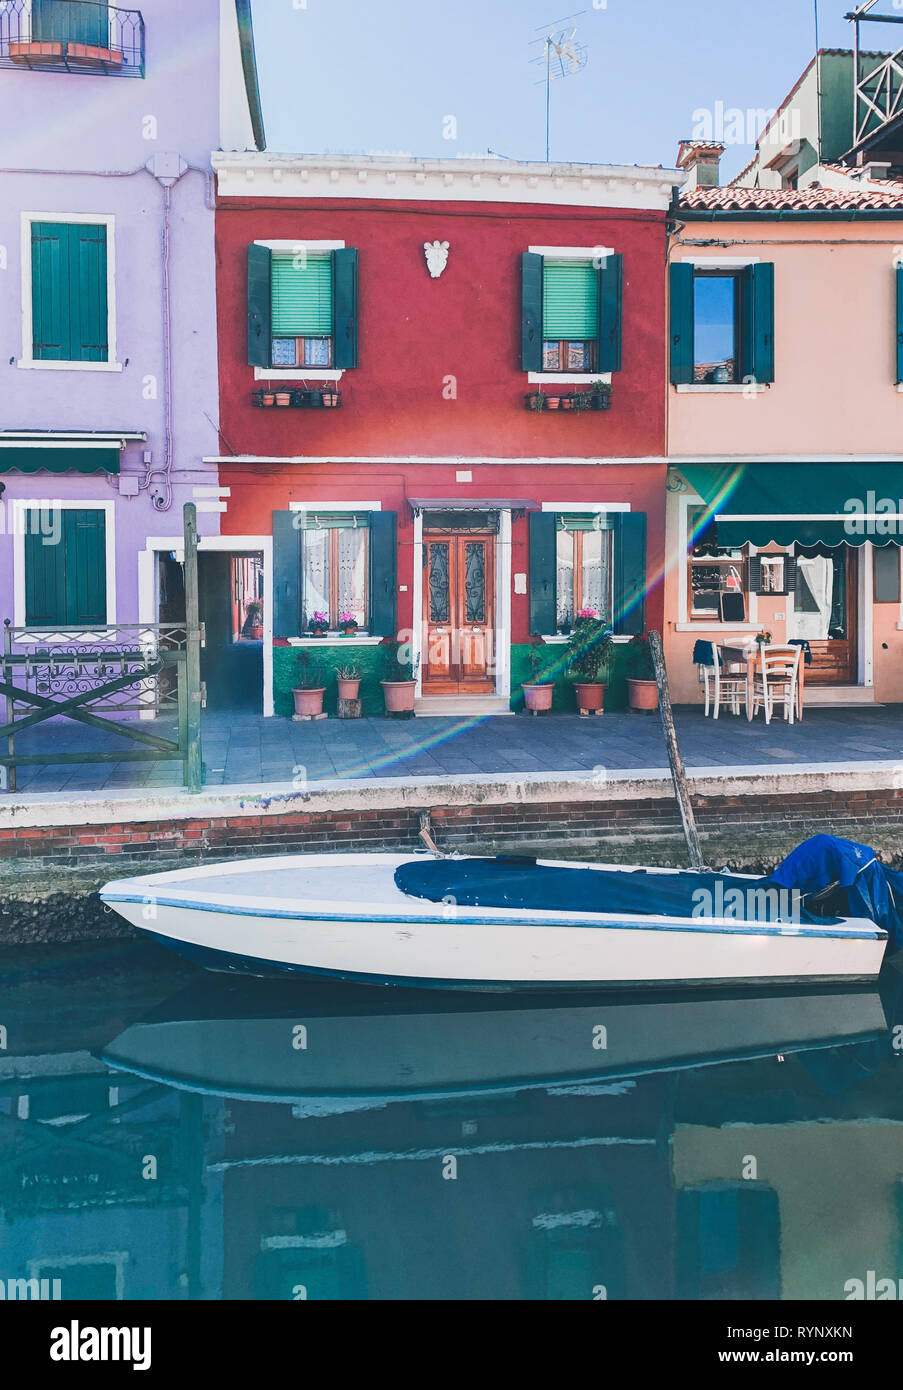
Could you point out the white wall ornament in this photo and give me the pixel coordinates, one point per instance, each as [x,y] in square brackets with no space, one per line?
[436,257]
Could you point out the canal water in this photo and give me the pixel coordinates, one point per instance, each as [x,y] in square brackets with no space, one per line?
[169,1134]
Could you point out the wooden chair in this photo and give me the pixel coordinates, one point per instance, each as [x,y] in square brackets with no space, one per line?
[728,684]
[776,681]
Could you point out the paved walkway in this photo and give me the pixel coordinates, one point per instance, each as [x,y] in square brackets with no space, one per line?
[242,749]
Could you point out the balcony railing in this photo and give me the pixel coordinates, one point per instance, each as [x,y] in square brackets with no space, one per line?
[71,36]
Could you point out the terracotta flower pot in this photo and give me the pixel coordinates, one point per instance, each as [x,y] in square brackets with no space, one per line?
[398,695]
[348,689]
[283,398]
[539,696]
[309,701]
[643,695]
[590,694]
[553,402]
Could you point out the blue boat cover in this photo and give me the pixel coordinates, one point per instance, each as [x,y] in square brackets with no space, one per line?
[522,883]
[867,888]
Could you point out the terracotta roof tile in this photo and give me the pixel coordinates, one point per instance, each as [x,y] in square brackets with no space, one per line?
[811,199]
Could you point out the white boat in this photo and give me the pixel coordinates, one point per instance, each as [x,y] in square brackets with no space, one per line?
[334,1044]
[500,924]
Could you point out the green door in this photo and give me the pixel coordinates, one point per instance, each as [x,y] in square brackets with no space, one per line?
[65,567]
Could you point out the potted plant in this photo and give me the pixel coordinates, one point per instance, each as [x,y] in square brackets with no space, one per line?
[535,400]
[600,395]
[348,680]
[347,624]
[398,681]
[763,639]
[319,624]
[588,654]
[252,628]
[642,687]
[265,398]
[553,402]
[538,692]
[330,399]
[283,398]
[311,687]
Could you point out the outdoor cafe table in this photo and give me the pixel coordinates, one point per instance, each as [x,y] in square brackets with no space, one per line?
[749,655]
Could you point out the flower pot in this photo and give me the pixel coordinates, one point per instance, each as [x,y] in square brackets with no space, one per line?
[318,632]
[398,695]
[643,695]
[602,400]
[93,56]
[348,689]
[590,695]
[535,400]
[283,398]
[25,52]
[553,402]
[309,702]
[567,403]
[349,631]
[329,399]
[539,696]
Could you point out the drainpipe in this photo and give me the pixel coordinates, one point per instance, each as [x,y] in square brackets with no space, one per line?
[167,169]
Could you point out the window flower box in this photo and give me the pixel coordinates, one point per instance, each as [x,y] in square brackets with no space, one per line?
[298,398]
[596,397]
[24,52]
[91,56]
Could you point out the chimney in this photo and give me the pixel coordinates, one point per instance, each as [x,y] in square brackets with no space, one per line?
[701,159]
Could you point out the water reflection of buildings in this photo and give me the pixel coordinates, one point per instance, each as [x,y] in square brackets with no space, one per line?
[620,1176]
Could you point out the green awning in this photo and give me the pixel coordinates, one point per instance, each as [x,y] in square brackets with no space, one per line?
[31,459]
[810,503]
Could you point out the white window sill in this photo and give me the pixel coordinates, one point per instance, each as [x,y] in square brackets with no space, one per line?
[567,378]
[33,365]
[712,625]
[298,374]
[707,388]
[334,639]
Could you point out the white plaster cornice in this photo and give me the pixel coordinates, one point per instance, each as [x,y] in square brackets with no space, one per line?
[371,177]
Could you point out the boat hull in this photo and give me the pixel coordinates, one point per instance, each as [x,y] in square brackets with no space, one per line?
[490,950]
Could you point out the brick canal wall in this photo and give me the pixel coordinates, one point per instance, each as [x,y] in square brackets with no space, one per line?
[54,853]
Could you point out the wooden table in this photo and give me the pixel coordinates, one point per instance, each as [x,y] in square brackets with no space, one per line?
[742,654]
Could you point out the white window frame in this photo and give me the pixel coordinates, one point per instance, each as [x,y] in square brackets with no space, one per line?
[295,246]
[19,507]
[686,501]
[710,388]
[28,361]
[363,638]
[117,1258]
[570,253]
[591,509]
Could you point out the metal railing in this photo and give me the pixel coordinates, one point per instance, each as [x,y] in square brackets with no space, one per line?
[879,95]
[71,36]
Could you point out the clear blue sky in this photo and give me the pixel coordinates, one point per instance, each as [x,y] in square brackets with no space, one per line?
[355,76]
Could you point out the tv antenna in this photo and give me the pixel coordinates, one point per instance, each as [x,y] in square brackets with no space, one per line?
[562,56]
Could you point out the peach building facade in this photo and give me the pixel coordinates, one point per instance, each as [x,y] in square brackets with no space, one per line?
[785,431]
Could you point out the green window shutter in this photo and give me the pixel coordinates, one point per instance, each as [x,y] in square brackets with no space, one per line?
[66,583]
[611,278]
[630,574]
[887,573]
[88,292]
[383,620]
[531,312]
[346,311]
[759,362]
[70,21]
[286,575]
[50,291]
[302,296]
[683,348]
[570,300]
[899,324]
[543,572]
[259,306]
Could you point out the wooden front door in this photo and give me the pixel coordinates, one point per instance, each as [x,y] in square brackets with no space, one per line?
[825,612]
[458,612]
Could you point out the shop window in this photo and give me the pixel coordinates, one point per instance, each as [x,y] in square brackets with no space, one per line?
[718,578]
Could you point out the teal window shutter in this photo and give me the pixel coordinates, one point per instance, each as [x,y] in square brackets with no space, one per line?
[611,277]
[88,292]
[301,296]
[286,575]
[70,21]
[899,324]
[383,620]
[259,305]
[543,572]
[759,362]
[570,300]
[630,574]
[683,353]
[69,292]
[345,293]
[66,582]
[50,291]
[531,312]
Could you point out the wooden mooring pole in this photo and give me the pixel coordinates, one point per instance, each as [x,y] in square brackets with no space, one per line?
[678,771]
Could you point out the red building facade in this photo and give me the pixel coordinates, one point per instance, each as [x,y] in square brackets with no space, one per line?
[442,409]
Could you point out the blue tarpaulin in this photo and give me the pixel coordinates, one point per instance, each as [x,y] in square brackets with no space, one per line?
[869,888]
